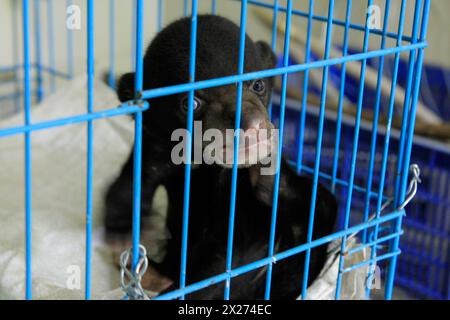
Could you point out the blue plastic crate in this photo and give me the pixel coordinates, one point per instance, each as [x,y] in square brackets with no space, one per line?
[424,265]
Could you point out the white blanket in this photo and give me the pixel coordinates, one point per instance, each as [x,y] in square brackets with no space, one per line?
[59,196]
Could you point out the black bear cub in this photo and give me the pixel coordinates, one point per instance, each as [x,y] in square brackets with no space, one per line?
[166,63]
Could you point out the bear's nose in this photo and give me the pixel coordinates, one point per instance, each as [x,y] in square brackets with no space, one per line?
[258,127]
[255,123]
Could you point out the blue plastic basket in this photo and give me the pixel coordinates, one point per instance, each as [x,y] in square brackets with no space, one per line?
[424,265]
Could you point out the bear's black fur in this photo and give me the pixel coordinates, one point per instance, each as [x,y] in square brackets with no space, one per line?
[166,63]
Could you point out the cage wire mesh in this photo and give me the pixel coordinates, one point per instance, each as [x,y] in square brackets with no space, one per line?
[365,165]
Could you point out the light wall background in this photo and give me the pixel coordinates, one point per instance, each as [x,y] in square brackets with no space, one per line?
[438,35]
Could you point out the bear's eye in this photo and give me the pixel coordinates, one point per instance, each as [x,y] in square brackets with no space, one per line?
[258,86]
[185,104]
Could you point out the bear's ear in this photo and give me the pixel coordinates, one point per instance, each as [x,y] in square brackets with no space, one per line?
[125,87]
[268,57]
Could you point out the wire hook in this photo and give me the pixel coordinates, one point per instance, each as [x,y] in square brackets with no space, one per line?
[411,193]
[412,188]
[131,280]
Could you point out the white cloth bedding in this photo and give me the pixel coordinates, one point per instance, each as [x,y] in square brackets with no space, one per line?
[59,196]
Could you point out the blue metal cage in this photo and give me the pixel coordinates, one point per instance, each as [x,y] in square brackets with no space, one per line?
[365,167]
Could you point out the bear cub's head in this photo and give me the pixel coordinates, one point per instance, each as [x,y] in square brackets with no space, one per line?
[166,63]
